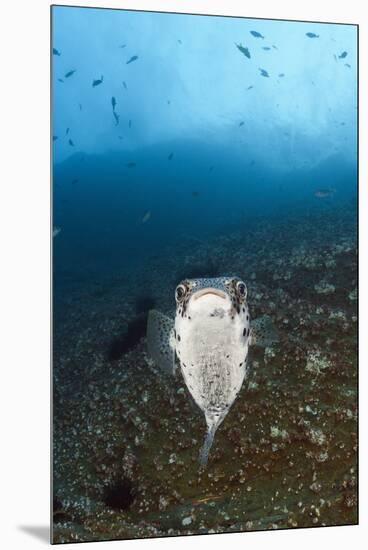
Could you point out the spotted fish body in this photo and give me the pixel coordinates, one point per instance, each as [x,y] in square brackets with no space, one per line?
[209,339]
[212,333]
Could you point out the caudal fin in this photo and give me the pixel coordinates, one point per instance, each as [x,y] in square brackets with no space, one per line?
[213,423]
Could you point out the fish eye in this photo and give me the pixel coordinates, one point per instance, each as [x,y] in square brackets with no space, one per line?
[241,288]
[180,292]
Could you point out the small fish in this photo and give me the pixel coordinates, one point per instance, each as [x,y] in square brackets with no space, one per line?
[250,87]
[343,55]
[113,103]
[122,46]
[264,73]
[347,65]
[54,138]
[241,123]
[56,231]
[256,34]
[67,131]
[274,47]
[130,124]
[131,164]
[60,80]
[80,106]
[55,51]
[146,216]
[243,50]
[97,82]
[134,58]
[168,102]
[71,143]
[69,73]
[210,337]
[120,137]
[170,156]
[324,193]
[266,48]
[180,42]
[124,84]
[116,117]
[312,35]
[281,75]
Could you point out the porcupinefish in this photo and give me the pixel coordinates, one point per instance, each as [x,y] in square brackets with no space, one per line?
[209,339]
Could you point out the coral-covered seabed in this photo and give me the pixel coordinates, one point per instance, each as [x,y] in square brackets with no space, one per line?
[127,438]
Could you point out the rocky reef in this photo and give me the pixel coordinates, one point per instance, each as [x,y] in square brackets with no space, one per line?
[127,437]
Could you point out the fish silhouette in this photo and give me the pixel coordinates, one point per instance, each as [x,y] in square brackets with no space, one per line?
[134,58]
[256,34]
[264,73]
[97,82]
[243,50]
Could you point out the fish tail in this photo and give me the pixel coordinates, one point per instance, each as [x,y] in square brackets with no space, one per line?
[210,436]
[205,450]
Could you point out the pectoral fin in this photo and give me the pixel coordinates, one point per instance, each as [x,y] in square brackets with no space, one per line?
[263,332]
[161,340]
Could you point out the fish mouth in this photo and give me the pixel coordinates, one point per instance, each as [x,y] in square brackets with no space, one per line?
[213,291]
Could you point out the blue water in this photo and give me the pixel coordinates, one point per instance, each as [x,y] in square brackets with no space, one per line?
[238,153]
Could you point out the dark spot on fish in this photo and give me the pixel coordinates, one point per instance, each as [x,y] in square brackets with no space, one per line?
[244,331]
[179,338]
